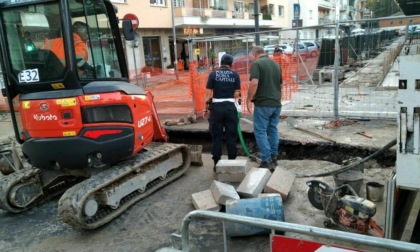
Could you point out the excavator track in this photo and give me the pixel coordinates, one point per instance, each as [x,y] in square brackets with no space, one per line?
[24,189]
[7,183]
[11,156]
[101,198]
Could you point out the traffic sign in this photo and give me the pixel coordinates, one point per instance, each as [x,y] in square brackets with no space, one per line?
[288,244]
[134,19]
[296,11]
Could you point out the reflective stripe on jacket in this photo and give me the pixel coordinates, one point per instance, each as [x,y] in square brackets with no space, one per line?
[57,47]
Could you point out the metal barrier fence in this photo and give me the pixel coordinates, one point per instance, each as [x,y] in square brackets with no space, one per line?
[331,235]
[366,59]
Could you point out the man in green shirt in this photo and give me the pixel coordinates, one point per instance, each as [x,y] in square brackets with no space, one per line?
[265,92]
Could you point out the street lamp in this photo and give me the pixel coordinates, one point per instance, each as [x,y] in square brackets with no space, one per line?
[174,38]
[257,23]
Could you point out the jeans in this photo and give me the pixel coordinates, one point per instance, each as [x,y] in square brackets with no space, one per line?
[266,132]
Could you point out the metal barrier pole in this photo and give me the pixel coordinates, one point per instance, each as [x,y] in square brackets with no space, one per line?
[295,228]
[225,236]
[389,213]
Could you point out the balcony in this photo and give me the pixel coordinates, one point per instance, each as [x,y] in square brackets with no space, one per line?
[344,7]
[208,17]
[326,4]
[325,20]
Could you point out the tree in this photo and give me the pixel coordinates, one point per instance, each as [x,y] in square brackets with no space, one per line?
[382,8]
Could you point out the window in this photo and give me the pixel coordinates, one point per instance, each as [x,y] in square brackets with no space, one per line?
[310,14]
[239,7]
[179,3]
[251,8]
[36,51]
[271,8]
[158,2]
[281,11]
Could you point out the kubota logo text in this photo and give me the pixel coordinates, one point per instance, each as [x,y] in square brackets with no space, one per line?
[41,117]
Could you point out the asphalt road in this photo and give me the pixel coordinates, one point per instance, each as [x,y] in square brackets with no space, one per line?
[147,226]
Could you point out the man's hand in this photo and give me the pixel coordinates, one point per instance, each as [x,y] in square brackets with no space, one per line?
[251,93]
[249,106]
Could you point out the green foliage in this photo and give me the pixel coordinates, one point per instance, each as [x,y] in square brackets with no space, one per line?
[383,8]
[266,12]
[264,9]
[266,16]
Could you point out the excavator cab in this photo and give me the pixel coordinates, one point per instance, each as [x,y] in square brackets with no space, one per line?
[63,62]
[33,63]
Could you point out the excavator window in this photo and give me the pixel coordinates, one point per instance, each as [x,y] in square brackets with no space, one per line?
[40,52]
[27,28]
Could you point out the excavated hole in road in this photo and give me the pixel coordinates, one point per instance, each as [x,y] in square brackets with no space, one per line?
[292,150]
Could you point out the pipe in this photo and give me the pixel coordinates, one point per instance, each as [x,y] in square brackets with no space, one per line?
[348,167]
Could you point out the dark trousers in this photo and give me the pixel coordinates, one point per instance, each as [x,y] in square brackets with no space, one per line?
[223,123]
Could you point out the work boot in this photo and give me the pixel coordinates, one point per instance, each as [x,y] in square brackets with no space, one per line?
[215,163]
[267,164]
[274,160]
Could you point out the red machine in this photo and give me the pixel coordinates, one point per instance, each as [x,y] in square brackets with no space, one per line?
[83,126]
[344,207]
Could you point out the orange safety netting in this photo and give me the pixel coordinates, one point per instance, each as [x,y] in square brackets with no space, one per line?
[198,81]
[183,92]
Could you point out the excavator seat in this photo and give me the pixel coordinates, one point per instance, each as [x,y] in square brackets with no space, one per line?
[48,65]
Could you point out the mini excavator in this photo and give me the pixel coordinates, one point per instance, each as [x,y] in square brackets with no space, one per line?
[87,133]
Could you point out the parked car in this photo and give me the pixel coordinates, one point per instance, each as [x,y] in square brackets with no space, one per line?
[269,49]
[289,50]
[313,48]
[241,61]
[303,51]
[286,49]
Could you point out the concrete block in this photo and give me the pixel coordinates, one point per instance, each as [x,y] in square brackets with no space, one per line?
[280,182]
[254,182]
[232,170]
[232,166]
[204,200]
[222,192]
[196,154]
[238,177]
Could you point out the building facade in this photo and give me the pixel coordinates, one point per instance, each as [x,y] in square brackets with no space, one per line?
[160,20]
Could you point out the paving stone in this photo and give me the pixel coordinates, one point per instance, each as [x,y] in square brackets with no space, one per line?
[204,200]
[222,192]
[280,182]
[225,166]
[254,182]
[231,177]
[232,170]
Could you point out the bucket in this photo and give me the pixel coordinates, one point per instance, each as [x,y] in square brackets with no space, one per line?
[270,208]
[375,191]
[351,177]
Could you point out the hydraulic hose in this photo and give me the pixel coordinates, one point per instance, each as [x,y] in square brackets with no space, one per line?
[241,138]
[348,167]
